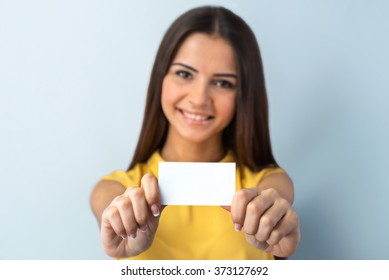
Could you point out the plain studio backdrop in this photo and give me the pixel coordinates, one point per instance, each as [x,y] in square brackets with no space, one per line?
[73,79]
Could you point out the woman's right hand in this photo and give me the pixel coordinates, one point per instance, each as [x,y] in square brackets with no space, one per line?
[129,223]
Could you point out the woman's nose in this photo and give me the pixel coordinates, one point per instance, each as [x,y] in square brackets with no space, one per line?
[199,94]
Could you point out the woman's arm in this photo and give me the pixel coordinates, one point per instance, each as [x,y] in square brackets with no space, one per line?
[102,195]
[280,182]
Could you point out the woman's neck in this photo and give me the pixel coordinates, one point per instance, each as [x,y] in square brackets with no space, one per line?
[181,150]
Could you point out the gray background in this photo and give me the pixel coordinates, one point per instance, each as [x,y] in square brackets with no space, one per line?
[73,77]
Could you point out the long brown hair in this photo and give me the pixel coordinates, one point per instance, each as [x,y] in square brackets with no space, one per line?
[248,133]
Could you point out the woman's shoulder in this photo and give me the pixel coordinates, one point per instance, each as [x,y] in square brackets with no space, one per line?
[247,178]
[132,177]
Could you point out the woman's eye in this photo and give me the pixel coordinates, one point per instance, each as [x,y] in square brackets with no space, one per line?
[183,74]
[223,84]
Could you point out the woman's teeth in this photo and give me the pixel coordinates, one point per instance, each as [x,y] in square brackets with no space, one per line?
[195,117]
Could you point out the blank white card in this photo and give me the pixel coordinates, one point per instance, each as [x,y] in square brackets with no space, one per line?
[196,183]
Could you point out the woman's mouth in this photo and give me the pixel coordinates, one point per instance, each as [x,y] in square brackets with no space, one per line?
[195,118]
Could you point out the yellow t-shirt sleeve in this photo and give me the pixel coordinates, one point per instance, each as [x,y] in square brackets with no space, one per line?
[271,170]
[130,178]
[119,176]
[251,179]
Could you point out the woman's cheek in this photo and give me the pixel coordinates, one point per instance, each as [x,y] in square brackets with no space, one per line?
[228,107]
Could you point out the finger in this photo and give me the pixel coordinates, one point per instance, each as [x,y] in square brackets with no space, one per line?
[271,218]
[124,205]
[287,225]
[140,207]
[111,218]
[150,186]
[254,211]
[239,204]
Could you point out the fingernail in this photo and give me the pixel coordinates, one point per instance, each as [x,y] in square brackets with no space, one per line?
[133,235]
[143,228]
[238,227]
[155,210]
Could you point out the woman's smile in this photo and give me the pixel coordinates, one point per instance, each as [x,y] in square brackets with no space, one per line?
[195,118]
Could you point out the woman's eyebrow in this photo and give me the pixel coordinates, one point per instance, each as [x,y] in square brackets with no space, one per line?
[186,66]
[230,75]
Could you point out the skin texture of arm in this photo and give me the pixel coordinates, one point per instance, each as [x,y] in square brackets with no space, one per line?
[280,182]
[102,195]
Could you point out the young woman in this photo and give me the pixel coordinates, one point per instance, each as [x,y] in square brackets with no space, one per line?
[206,102]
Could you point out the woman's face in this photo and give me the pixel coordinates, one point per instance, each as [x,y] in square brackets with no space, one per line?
[200,88]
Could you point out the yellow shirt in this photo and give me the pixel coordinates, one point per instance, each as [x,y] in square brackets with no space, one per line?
[196,232]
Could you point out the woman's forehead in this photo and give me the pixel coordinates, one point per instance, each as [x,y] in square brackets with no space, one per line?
[201,49]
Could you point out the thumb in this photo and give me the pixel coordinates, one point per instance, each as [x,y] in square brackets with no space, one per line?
[156,211]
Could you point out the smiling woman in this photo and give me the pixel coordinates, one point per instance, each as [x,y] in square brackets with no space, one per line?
[198,97]
[250,123]
[206,103]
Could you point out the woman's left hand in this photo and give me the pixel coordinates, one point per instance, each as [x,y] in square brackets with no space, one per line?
[267,219]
